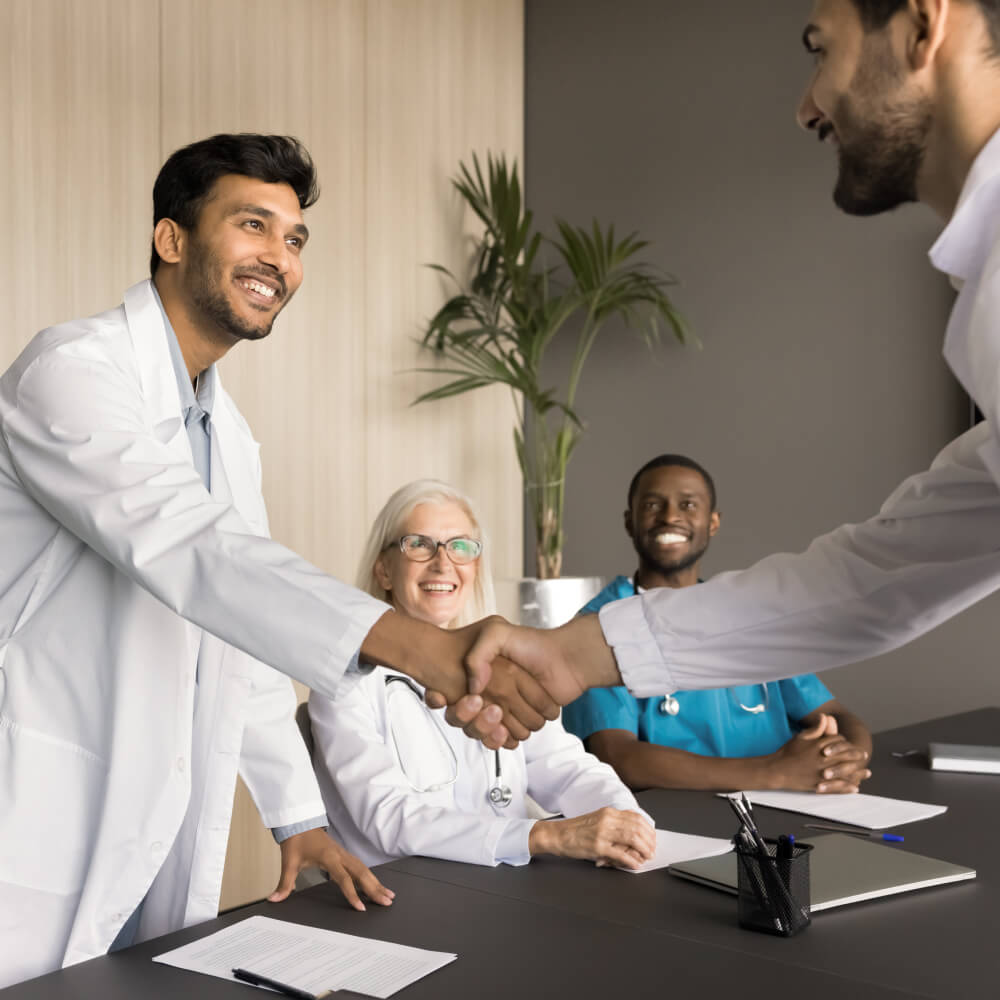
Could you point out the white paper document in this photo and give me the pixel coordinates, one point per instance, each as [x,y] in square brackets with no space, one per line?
[872,811]
[308,958]
[673,848]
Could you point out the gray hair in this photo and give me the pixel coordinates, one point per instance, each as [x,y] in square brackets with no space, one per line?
[386,529]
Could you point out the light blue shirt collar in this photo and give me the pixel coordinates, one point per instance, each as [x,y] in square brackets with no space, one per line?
[204,400]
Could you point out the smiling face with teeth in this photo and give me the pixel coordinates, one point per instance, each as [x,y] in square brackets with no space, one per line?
[227,279]
[670,522]
[433,591]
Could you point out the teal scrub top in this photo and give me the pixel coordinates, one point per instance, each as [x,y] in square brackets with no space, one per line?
[747,721]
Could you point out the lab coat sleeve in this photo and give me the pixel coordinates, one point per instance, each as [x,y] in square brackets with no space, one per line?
[932,550]
[80,445]
[274,761]
[394,817]
[564,778]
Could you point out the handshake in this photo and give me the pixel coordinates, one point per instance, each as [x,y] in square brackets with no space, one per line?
[499,682]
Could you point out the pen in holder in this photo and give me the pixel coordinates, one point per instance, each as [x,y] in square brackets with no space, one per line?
[772,885]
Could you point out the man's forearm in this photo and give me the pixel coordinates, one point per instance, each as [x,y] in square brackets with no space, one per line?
[419,650]
[646,765]
[587,652]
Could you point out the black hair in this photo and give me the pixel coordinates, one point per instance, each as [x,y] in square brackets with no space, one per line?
[875,14]
[185,181]
[664,460]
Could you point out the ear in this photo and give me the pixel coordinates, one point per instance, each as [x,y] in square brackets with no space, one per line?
[628,524]
[926,27]
[169,239]
[714,523]
[382,574]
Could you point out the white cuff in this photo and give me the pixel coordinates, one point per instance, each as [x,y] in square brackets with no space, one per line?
[640,660]
[512,845]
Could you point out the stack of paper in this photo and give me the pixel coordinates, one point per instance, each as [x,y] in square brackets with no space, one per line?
[673,848]
[307,958]
[872,811]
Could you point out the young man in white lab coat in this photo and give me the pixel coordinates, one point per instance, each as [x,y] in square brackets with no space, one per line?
[907,92]
[140,597]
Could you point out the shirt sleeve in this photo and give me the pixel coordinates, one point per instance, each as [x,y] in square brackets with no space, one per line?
[81,447]
[601,708]
[802,695]
[933,550]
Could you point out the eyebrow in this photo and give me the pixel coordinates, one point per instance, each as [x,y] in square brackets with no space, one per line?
[807,32]
[265,213]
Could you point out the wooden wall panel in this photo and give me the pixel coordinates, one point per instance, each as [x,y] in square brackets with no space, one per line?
[387,95]
[79,148]
[444,80]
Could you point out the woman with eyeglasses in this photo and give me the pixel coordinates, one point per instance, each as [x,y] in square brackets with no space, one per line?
[398,781]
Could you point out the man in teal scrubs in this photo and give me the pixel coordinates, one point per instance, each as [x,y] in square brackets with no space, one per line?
[788,734]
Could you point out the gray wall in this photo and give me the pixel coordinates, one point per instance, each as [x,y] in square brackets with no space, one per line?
[820,384]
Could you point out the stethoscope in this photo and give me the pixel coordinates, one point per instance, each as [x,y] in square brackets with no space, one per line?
[671,706]
[499,793]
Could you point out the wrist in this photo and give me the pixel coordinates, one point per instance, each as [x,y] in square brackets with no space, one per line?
[542,837]
[586,652]
[421,651]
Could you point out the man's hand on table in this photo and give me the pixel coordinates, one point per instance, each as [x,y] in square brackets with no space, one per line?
[316,849]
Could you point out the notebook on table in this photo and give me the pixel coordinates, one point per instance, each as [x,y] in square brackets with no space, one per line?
[842,869]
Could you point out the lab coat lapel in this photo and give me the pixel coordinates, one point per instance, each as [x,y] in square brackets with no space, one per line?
[156,371]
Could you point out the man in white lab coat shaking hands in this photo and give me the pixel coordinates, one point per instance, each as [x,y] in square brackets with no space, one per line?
[143,608]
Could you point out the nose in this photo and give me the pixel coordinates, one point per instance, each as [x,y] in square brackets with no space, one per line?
[439,559]
[276,253]
[808,114]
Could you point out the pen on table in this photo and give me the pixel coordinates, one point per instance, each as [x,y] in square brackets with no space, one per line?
[289,991]
[892,838]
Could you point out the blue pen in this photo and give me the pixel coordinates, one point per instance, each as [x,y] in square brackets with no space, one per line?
[892,838]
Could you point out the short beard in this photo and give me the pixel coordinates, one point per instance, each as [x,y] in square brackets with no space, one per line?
[669,568]
[881,141]
[208,297]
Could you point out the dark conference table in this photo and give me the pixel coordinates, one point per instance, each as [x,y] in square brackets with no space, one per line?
[562,928]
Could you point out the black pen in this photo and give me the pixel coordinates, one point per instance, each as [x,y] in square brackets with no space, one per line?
[290,991]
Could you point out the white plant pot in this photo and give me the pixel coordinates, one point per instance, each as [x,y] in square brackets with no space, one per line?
[545,603]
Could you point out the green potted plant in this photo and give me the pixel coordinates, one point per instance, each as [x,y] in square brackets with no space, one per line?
[524,290]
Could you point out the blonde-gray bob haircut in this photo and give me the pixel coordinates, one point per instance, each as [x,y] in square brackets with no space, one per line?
[388,527]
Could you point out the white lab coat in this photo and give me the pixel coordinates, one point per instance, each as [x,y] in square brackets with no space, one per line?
[932,550]
[114,560]
[367,767]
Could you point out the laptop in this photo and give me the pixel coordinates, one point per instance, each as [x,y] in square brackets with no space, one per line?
[842,869]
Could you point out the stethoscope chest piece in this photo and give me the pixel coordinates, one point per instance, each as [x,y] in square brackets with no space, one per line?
[501,795]
[670,705]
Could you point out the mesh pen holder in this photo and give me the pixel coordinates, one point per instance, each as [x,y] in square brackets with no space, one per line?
[773,892]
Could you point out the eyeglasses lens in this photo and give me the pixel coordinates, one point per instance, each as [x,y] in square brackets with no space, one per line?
[421,548]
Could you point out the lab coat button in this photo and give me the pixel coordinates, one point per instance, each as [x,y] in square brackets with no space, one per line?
[181,764]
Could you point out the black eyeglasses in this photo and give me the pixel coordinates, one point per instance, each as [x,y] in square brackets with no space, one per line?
[423,548]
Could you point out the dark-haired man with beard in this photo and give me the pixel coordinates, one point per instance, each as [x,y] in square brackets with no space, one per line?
[146,618]
[789,734]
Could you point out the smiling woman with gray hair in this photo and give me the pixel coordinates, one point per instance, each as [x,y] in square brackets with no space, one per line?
[398,781]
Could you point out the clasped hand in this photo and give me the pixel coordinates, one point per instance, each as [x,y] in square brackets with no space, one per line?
[820,759]
[517,678]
